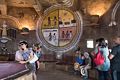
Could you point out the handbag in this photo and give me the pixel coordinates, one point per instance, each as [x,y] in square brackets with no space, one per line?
[35,58]
[99,58]
[83,71]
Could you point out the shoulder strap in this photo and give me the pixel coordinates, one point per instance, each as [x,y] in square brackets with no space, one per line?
[98,49]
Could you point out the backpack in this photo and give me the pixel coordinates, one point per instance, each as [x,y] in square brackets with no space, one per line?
[99,58]
[27,54]
[39,54]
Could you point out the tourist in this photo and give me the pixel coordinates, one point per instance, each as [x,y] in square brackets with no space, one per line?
[37,50]
[27,55]
[86,65]
[115,59]
[18,55]
[78,61]
[103,70]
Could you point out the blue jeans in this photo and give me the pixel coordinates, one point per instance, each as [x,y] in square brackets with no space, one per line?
[85,77]
[33,67]
[115,75]
[103,75]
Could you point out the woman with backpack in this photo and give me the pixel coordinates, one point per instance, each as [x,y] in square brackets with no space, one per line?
[102,68]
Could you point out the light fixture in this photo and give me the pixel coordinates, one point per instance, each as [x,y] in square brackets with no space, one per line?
[25,30]
[112,23]
[4,39]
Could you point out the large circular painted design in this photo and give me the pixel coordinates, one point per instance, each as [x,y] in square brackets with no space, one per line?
[59,29]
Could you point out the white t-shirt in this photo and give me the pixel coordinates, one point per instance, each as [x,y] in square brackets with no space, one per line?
[18,56]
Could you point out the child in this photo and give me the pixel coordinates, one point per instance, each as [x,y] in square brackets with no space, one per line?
[38,52]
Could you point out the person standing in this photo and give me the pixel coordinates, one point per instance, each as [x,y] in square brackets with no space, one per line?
[18,54]
[115,59]
[103,69]
[37,51]
[28,56]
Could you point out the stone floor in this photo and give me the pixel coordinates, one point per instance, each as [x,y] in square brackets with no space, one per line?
[56,75]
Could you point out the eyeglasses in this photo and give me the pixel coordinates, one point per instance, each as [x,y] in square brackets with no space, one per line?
[20,44]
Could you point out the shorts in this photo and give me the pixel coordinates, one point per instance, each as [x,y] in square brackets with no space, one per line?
[32,67]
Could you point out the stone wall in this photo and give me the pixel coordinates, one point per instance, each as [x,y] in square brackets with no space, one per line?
[26,17]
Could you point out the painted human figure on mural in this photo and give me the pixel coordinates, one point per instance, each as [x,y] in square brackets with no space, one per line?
[50,36]
[70,35]
[55,21]
[67,34]
[60,21]
[54,37]
[49,21]
[63,34]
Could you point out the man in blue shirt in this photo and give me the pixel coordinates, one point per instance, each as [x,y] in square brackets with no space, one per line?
[78,60]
